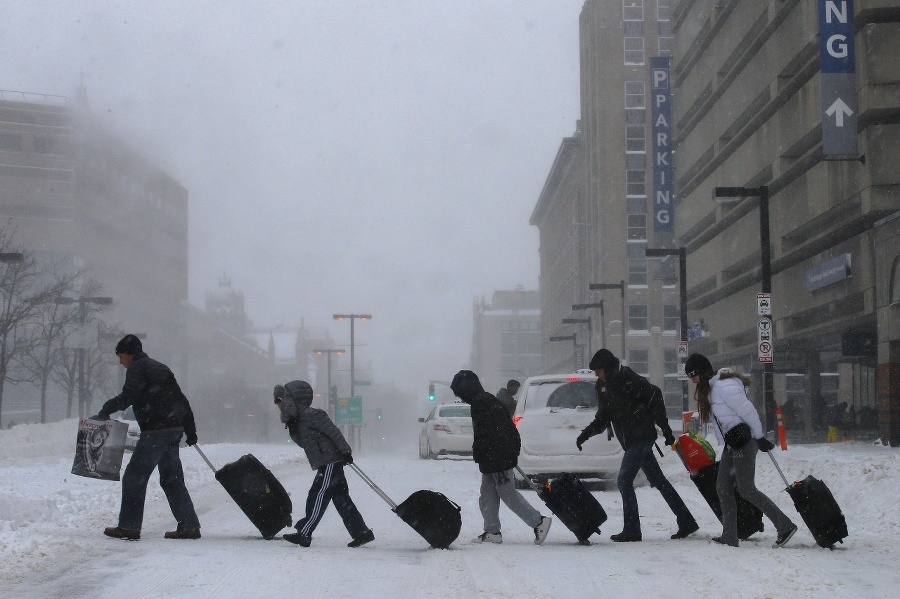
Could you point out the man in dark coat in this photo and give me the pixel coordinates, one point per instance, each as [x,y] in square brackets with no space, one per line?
[507,395]
[327,451]
[164,414]
[495,448]
[634,407]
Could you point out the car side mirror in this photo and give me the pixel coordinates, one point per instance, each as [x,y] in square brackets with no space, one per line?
[421,420]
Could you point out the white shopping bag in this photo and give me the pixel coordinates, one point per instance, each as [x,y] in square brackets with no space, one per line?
[99,448]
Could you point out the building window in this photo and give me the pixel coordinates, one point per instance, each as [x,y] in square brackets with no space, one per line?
[49,145]
[639,361]
[663,10]
[637,264]
[671,318]
[634,95]
[636,205]
[634,50]
[637,227]
[665,45]
[10,142]
[636,183]
[635,139]
[633,10]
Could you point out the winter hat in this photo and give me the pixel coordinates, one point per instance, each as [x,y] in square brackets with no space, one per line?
[129,344]
[697,364]
[606,360]
[465,385]
[300,391]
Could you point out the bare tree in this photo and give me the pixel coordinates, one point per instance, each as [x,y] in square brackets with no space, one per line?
[52,319]
[24,291]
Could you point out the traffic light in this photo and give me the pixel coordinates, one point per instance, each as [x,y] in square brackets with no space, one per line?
[378,413]
[431,392]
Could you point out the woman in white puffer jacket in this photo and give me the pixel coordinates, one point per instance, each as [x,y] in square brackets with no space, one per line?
[722,399]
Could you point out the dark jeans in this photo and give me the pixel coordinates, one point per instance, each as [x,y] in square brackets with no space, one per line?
[330,485]
[639,456]
[152,450]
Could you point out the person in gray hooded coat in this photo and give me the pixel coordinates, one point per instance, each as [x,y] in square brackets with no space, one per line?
[327,451]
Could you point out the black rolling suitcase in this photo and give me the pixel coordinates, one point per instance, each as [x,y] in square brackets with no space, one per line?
[749,517]
[818,508]
[429,513]
[257,492]
[573,504]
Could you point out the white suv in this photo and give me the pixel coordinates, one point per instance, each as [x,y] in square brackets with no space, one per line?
[551,411]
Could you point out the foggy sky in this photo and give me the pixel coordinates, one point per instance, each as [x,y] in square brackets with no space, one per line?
[377,157]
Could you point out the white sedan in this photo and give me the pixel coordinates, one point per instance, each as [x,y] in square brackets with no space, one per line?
[446,430]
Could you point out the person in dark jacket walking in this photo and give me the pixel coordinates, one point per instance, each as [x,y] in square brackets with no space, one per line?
[722,398]
[327,451]
[495,448]
[634,407]
[164,415]
[507,395]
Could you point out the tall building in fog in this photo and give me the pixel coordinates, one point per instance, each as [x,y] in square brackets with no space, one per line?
[75,191]
[506,340]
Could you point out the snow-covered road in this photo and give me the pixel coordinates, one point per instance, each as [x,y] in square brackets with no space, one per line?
[51,541]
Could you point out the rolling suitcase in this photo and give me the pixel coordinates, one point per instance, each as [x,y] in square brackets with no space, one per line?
[257,492]
[818,508]
[749,517]
[573,504]
[429,513]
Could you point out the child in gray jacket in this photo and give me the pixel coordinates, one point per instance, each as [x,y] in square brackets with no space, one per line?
[327,452]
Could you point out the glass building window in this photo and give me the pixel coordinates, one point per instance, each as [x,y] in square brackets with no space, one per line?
[634,50]
[637,264]
[637,227]
[633,10]
[635,139]
[671,318]
[636,183]
[634,95]
[663,10]
[10,142]
[639,361]
[636,205]
[665,45]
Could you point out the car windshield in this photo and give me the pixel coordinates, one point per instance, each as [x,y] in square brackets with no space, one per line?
[456,412]
[578,394]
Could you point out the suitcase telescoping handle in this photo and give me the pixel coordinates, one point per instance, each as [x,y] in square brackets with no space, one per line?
[374,487]
[787,485]
[530,482]
[205,459]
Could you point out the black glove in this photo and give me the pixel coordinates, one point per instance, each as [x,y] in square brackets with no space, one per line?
[347,458]
[96,417]
[191,439]
[582,438]
[764,444]
[670,440]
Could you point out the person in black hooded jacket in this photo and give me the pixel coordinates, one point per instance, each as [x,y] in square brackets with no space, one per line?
[495,448]
[634,407]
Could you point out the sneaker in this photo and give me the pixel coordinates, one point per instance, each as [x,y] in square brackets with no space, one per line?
[298,539]
[784,537]
[366,537]
[489,537]
[187,533]
[626,537]
[720,541]
[541,530]
[685,531]
[122,533]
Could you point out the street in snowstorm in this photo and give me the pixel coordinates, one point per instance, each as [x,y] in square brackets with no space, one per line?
[51,535]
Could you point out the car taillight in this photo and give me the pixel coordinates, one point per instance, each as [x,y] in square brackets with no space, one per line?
[517,420]
[441,427]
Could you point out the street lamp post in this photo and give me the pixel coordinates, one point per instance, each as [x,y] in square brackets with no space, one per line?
[328,352]
[571,338]
[82,316]
[762,192]
[602,318]
[587,321]
[682,284]
[621,287]
[352,318]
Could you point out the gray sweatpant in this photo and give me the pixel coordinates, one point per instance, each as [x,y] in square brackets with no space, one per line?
[740,467]
[501,485]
